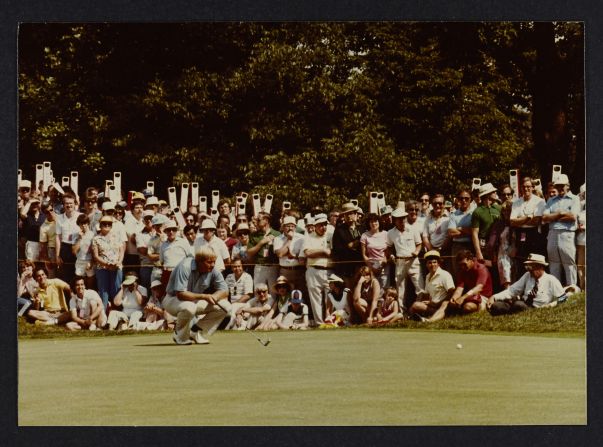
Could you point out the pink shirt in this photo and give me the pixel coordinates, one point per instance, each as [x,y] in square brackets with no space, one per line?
[375,245]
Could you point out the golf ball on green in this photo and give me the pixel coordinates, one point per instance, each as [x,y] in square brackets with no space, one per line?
[459,346]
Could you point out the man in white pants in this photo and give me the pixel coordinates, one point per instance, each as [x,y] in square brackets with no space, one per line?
[194,289]
[317,250]
[403,247]
[561,213]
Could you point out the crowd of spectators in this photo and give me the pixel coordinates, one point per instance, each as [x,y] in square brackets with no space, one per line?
[91,263]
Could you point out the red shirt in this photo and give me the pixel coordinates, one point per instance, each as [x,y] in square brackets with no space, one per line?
[479,274]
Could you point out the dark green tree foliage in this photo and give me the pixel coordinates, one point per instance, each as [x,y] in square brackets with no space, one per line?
[316,113]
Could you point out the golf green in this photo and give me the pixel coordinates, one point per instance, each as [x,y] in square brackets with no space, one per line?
[323,377]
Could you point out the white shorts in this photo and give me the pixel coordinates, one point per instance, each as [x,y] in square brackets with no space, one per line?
[32,251]
[84,268]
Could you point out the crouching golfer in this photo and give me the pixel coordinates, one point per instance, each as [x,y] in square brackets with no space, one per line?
[193,292]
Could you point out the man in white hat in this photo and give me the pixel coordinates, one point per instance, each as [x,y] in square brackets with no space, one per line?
[439,287]
[535,288]
[131,300]
[561,213]
[482,219]
[208,237]
[172,251]
[290,257]
[403,247]
[347,252]
[317,251]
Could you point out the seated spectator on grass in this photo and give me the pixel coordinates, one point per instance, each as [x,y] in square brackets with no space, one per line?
[338,302]
[86,308]
[49,305]
[131,301]
[26,286]
[535,289]
[282,295]
[154,317]
[366,294]
[256,309]
[82,249]
[439,287]
[389,310]
[295,314]
[473,288]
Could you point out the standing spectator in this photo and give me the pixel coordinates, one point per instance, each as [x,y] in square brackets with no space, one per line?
[459,226]
[435,231]
[142,241]
[262,249]
[581,241]
[404,246]
[346,244]
[439,287]
[90,208]
[107,253]
[373,245]
[131,301]
[133,224]
[190,233]
[317,250]
[504,236]
[48,239]
[82,249]
[482,220]
[209,238]
[172,251]
[66,232]
[86,307]
[561,214]
[223,232]
[239,251]
[154,244]
[526,217]
[424,208]
[385,219]
[290,257]
[366,294]
[33,221]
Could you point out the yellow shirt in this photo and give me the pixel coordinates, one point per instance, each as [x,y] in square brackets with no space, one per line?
[52,297]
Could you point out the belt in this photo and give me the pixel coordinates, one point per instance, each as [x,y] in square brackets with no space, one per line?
[319,267]
[293,267]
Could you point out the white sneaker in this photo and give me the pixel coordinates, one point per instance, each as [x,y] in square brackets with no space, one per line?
[123,326]
[180,342]
[93,327]
[198,338]
[158,325]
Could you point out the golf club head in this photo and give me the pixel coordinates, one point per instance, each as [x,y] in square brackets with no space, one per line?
[266,343]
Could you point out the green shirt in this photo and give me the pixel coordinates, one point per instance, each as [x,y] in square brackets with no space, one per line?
[483,217]
[266,254]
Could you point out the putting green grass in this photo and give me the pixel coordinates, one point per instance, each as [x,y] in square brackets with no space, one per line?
[329,377]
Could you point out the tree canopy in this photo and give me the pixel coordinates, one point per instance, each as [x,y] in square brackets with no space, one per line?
[315,113]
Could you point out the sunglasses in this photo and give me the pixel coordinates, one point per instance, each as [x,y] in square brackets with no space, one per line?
[24,189]
[410,210]
[170,229]
[262,291]
[106,224]
[508,194]
[424,200]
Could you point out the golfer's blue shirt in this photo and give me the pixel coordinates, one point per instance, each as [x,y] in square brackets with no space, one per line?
[186,277]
